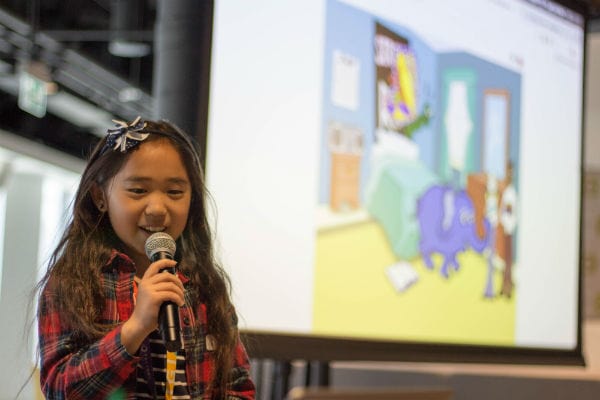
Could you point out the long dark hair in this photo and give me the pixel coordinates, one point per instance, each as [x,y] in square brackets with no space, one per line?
[75,265]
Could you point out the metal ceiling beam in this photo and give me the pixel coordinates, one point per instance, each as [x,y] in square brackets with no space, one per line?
[97,35]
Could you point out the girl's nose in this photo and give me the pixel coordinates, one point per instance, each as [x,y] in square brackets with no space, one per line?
[155,207]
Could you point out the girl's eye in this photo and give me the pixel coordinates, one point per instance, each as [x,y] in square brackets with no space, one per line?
[175,192]
[136,190]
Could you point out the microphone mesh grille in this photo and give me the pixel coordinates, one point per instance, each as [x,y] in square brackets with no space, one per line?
[160,241]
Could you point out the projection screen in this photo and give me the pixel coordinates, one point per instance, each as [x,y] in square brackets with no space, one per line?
[402,173]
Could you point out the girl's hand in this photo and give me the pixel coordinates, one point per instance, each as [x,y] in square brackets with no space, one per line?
[154,289]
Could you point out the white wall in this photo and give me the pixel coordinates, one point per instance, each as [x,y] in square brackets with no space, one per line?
[36,185]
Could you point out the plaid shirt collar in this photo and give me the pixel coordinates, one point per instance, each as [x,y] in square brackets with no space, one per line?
[122,261]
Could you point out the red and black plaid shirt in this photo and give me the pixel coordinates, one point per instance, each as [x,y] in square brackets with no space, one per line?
[104,369]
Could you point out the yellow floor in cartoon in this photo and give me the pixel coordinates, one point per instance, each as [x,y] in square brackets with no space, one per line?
[354,298]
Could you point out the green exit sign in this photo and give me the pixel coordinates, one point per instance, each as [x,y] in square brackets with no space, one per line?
[32,94]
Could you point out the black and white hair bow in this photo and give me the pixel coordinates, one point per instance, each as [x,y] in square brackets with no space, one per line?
[125,135]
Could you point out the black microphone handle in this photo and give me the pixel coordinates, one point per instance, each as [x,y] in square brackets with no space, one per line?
[168,316]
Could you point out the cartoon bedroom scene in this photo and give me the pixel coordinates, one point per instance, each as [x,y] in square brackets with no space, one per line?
[417,218]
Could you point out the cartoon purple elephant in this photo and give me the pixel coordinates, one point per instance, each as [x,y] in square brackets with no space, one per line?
[447,224]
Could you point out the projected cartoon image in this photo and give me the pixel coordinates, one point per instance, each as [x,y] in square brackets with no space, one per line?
[418,206]
[396,87]
[345,146]
[447,226]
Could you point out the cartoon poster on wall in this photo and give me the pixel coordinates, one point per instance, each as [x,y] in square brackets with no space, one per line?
[418,202]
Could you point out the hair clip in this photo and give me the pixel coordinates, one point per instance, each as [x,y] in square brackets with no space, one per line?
[125,135]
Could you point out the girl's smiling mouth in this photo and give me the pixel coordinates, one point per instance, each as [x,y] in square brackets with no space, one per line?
[153,229]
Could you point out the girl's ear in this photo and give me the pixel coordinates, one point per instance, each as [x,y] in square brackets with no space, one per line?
[99,198]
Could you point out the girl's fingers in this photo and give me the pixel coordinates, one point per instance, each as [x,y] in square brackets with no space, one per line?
[163,291]
[157,272]
[165,277]
[157,266]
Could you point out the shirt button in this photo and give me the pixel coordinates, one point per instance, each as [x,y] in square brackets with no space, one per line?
[186,320]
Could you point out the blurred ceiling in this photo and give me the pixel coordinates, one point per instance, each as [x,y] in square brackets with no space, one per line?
[99,52]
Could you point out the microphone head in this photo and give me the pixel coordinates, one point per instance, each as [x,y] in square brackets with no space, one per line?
[160,242]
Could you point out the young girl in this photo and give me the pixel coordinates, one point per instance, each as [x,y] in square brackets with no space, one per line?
[101,296]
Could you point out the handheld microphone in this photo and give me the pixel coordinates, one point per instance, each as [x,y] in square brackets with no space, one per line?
[159,246]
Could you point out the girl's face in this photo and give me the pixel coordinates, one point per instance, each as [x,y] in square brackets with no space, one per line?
[151,193]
